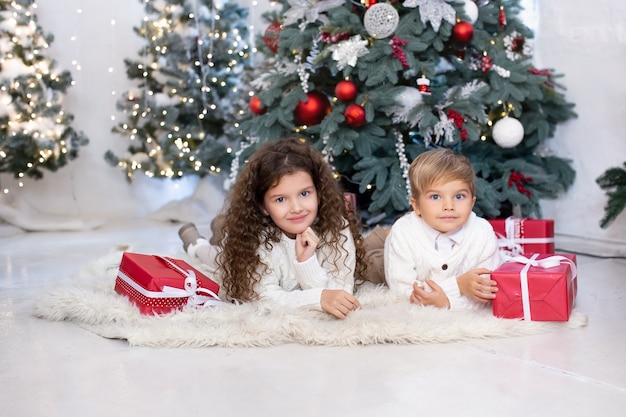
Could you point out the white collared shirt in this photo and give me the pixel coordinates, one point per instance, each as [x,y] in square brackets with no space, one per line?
[444,242]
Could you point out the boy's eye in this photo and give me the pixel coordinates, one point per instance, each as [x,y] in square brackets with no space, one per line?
[459,196]
[435,197]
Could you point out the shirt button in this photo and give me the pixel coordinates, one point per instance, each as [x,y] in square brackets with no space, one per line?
[444,266]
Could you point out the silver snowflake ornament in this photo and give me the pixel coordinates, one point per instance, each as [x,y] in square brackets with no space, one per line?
[433,11]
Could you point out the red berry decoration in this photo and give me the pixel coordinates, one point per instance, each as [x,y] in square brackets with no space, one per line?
[256,106]
[270,37]
[462,33]
[355,115]
[313,110]
[346,90]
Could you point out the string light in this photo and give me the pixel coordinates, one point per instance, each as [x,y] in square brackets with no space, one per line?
[30,98]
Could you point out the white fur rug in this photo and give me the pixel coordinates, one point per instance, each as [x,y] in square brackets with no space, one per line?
[88,299]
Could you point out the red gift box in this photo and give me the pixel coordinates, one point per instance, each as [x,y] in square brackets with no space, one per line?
[540,288]
[158,285]
[519,236]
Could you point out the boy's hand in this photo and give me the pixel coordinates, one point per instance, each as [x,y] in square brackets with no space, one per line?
[437,297]
[339,303]
[306,243]
[478,288]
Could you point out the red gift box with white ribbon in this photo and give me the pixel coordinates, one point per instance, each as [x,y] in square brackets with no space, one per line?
[518,236]
[159,285]
[541,287]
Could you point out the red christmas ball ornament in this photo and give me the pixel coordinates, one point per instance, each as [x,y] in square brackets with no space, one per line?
[462,33]
[270,36]
[355,115]
[313,110]
[346,90]
[256,106]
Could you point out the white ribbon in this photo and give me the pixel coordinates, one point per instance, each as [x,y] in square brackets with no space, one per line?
[549,262]
[190,288]
[512,241]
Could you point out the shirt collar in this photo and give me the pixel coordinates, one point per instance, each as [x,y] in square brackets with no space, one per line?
[456,236]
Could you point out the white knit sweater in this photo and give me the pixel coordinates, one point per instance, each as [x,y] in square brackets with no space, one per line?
[410,256]
[289,282]
[300,284]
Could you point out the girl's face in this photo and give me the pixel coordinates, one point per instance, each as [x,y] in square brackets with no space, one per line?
[445,206]
[292,203]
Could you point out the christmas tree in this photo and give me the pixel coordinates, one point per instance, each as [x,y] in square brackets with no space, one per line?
[374,84]
[35,133]
[182,117]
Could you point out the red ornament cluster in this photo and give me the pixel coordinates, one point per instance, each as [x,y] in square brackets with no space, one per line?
[458,122]
[518,179]
[543,73]
[330,38]
[354,114]
[397,51]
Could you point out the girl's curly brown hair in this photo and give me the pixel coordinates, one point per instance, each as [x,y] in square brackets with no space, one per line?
[246,228]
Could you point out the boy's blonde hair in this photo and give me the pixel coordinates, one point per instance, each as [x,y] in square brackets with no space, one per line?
[437,166]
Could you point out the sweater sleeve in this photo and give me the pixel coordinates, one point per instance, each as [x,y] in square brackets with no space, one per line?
[278,283]
[399,262]
[329,269]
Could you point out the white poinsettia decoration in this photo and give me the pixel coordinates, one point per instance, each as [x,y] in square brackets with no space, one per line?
[349,51]
[433,11]
[517,46]
[309,11]
[443,131]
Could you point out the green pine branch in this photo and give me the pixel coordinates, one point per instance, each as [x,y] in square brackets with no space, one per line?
[613,181]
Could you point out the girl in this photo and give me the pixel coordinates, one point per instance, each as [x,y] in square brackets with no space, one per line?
[287,233]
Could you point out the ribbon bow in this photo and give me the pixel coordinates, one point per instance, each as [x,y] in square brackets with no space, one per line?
[190,288]
[549,262]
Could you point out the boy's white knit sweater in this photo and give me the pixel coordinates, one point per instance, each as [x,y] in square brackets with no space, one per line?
[410,256]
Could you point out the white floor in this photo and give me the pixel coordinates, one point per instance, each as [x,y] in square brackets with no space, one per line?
[59,369]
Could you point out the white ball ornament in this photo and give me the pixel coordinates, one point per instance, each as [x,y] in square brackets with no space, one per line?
[409,98]
[508,132]
[381,20]
[471,10]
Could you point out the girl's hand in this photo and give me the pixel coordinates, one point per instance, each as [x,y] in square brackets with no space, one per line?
[306,243]
[339,303]
[478,288]
[437,297]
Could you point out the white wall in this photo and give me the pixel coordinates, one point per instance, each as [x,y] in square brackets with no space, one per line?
[587,44]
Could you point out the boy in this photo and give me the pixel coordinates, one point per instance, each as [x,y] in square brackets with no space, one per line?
[441,253]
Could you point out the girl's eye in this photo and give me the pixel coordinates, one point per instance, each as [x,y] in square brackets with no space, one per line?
[280,199]
[305,193]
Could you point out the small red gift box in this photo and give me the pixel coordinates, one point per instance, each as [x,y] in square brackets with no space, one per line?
[540,288]
[519,236]
[158,285]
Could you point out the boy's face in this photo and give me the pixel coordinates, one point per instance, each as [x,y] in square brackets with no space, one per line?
[445,206]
